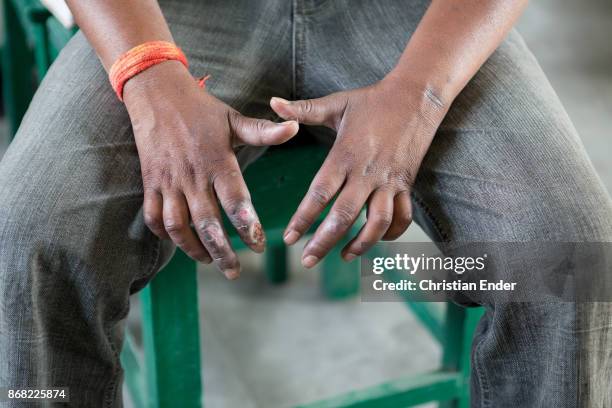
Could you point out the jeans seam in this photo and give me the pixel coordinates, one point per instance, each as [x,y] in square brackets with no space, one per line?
[111,389]
[579,354]
[482,382]
[293,50]
[435,222]
[298,49]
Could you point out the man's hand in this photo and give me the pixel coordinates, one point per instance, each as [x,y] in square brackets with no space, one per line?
[185,139]
[383,132]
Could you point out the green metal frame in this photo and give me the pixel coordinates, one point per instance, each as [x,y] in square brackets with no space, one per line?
[168,374]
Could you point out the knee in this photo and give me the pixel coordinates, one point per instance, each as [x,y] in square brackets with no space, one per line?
[562,213]
[19,223]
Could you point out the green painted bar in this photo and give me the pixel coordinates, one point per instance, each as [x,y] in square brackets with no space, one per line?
[171,336]
[452,346]
[340,279]
[134,377]
[57,36]
[18,88]
[276,266]
[405,392]
[276,179]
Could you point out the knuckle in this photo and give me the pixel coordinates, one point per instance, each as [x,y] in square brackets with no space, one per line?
[188,171]
[307,106]
[344,156]
[382,219]
[260,125]
[301,222]
[225,167]
[213,237]
[149,176]
[343,215]
[208,228]
[320,194]
[153,221]
[406,178]
[234,202]
[166,178]
[316,248]
[227,260]
[199,208]
[174,224]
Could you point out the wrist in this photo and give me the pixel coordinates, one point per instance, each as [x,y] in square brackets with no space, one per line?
[148,88]
[425,96]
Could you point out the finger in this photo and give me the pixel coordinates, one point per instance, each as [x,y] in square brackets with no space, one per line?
[322,190]
[321,111]
[260,132]
[177,225]
[236,202]
[341,217]
[152,212]
[402,216]
[380,214]
[206,220]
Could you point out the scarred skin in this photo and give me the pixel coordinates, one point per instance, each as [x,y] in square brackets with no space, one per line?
[185,136]
[185,145]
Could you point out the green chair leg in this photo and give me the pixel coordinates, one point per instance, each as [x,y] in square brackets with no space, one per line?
[460,326]
[340,279]
[277,263]
[17,68]
[171,336]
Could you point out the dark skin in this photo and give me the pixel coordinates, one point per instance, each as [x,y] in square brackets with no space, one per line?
[185,136]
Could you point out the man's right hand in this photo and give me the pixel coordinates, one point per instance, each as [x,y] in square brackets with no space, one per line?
[185,139]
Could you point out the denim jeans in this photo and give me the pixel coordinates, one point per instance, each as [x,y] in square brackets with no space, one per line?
[506,165]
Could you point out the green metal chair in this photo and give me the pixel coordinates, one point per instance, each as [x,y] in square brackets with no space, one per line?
[169,373]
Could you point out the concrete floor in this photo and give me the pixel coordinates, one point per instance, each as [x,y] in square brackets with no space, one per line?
[267,346]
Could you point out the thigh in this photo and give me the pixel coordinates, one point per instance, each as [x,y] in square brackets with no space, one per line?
[70,181]
[245,46]
[73,162]
[505,165]
[73,244]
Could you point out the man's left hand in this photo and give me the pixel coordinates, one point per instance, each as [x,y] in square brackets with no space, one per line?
[383,133]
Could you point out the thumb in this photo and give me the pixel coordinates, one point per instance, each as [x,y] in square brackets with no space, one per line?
[324,111]
[261,132]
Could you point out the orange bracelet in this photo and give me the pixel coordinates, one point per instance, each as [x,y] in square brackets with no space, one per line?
[142,57]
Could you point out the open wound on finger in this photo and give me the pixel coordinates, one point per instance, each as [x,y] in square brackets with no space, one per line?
[248,226]
[217,245]
[213,236]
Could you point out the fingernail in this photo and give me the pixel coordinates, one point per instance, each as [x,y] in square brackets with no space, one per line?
[349,257]
[232,274]
[281,100]
[310,261]
[290,123]
[291,237]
